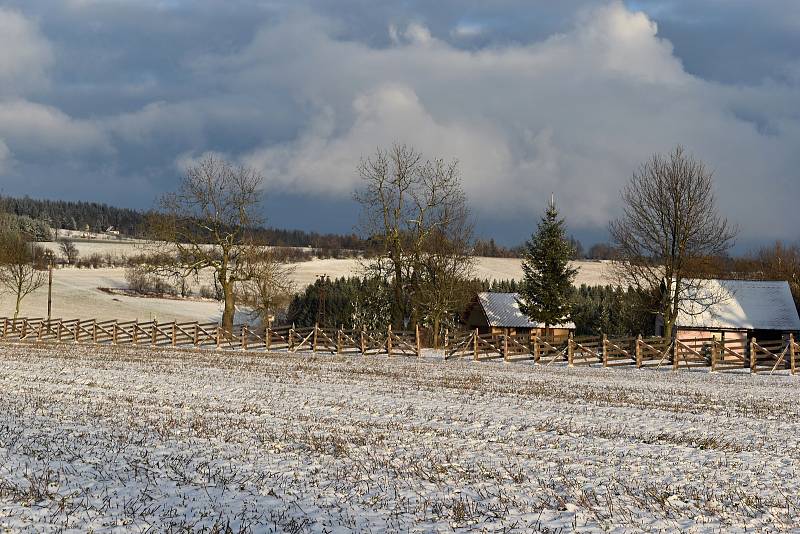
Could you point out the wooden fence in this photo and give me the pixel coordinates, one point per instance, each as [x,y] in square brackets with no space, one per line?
[600,351]
[639,352]
[211,335]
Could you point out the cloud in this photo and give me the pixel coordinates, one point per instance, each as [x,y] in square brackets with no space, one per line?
[5,156]
[27,128]
[566,96]
[37,129]
[573,114]
[25,56]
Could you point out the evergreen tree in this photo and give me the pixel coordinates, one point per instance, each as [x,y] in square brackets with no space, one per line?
[546,292]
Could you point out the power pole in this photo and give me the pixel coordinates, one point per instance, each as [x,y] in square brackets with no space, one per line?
[49,285]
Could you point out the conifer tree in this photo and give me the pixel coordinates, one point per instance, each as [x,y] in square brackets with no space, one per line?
[546,290]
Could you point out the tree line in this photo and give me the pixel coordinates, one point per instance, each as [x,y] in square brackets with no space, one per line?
[36,216]
[415,216]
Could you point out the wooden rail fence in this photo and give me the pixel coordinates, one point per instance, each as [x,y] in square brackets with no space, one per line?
[640,352]
[211,335]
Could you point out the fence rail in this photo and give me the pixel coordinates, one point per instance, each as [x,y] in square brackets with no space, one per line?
[640,352]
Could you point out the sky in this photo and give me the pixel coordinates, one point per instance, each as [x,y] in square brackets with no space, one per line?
[110,100]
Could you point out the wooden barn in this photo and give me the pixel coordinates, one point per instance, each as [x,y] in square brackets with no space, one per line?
[739,311]
[499,313]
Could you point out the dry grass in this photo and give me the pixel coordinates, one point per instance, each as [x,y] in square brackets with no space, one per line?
[103,438]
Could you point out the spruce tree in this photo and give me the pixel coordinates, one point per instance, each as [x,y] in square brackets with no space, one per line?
[546,289]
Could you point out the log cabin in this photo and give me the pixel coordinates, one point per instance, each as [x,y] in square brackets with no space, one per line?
[499,313]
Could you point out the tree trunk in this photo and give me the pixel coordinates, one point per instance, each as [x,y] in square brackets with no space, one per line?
[230,306]
[399,309]
[19,292]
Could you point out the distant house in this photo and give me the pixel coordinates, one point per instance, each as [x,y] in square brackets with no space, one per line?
[498,313]
[738,310]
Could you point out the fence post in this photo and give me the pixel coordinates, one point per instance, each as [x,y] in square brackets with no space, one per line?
[60,329]
[363,340]
[314,341]
[291,338]
[753,356]
[339,334]
[77,331]
[114,333]
[791,352]
[268,338]
[174,333]
[419,347]
[605,350]
[714,355]
[537,349]
[94,331]
[675,355]
[136,332]
[389,341]
[570,350]
[196,334]
[219,336]
[475,345]
[243,342]
[639,351]
[505,347]
[446,339]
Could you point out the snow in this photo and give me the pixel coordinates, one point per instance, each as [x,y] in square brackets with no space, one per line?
[115,439]
[740,305]
[76,294]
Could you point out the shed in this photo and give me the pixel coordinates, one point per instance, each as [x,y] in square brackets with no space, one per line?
[499,313]
[739,309]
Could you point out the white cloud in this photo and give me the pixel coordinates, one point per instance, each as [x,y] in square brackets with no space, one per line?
[25,56]
[466,30]
[574,114]
[38,129]
[28,128]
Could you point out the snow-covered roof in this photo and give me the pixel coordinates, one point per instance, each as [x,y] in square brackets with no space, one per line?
[741,305]
[502,311]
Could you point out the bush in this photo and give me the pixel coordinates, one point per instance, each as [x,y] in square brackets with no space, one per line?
[141,280]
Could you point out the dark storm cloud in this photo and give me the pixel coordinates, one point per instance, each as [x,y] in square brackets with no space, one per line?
[108,99]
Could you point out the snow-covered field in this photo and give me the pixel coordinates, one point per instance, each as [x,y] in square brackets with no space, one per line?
[76,294]
[113,439]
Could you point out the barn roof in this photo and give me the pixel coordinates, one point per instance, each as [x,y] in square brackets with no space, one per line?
[502,311]
[744,305]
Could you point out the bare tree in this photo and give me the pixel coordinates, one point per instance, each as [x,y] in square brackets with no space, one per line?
[781,261]
[669,228]
[17,271]
[416,211]
[388,179]
[270,286]
[68,250]
[208,223]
